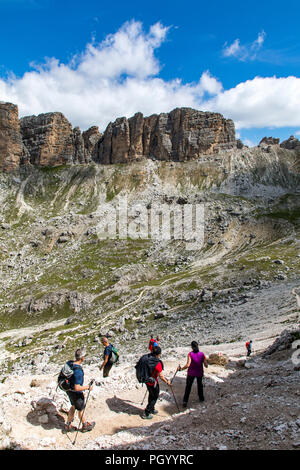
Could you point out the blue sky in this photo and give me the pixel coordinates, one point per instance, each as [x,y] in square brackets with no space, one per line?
[96,60]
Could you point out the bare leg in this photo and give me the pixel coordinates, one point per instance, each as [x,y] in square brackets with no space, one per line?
[71,414]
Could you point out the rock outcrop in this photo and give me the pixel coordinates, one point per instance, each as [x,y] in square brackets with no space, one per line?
[292,143]
[266,141]
[50,140]
[11,147]
[183,134]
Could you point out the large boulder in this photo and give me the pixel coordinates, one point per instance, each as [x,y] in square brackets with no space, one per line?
[218,359]
[283,342]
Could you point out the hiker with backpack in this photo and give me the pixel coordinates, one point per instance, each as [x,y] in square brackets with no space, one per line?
[195,361]
[110,356]
[153,342]
[249,347]
[148,369]
[71,379]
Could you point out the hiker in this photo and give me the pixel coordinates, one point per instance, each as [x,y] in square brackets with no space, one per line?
[153,385]
[153,342]
[249,347]
[195,361]
[107,357]
[76,395]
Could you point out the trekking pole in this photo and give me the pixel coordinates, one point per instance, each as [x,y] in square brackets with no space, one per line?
[174,376]
[175,398]
[91,383]
[144,397]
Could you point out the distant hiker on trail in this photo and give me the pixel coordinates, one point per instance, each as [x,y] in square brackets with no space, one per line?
[110,356]
[194,364]
[76,395]
[152,383]
[249,347]
[153,342]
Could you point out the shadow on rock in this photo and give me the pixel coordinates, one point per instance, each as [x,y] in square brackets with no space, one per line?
[45,414]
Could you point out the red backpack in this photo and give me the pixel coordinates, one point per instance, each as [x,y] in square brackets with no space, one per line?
[247,344]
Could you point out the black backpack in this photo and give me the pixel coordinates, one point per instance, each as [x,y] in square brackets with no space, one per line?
[65,378]
[144,368]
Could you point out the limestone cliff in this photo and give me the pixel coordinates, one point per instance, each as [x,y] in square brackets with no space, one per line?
[11,147]
[183,134]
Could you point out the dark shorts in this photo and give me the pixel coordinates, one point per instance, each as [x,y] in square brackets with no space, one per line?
[107,368]
[77,400]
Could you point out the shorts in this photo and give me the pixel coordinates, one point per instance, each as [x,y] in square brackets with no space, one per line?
[107,368]
[77,400]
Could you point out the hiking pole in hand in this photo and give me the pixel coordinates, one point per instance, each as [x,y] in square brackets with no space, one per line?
[174,398]
[91,383]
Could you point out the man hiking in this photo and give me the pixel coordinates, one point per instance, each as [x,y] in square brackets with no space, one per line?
[195,361]
[249,347]
[107,357]
[153,385]
[153,342]
[76,395]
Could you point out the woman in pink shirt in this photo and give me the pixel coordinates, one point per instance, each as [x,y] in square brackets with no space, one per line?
[194,364]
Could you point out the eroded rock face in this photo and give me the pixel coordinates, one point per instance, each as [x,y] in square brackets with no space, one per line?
[49,139]
[183,134]
[91,137]
[11,147]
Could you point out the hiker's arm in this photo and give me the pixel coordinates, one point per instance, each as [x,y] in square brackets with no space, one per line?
[104,362]
[205,362]
[162,377]
[187,364]
[81,388]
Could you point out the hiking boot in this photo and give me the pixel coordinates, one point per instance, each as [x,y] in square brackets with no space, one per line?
[144,416]
[154,412]
[184,405]
[69,428]
[86,427]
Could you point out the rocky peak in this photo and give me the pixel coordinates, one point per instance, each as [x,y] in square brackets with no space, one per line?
[183,134]
[91,137]
[292,143]
[11,147]
[266,141]
[49,139]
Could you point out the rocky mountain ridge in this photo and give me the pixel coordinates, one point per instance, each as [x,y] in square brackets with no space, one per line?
[48,140]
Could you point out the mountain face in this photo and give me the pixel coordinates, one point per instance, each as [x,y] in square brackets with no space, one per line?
[63,285]
[11,146]
[48,139]
[183,134]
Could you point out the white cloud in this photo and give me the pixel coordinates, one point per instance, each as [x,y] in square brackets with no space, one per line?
[244,51]
[261,102]
[120,76]
[232,50]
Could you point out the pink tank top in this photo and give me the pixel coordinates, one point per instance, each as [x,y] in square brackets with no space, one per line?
[196,367]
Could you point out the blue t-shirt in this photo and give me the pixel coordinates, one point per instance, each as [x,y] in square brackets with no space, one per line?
[77,377]
[108,352]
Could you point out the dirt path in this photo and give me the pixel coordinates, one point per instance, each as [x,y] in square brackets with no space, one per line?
[116,405]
